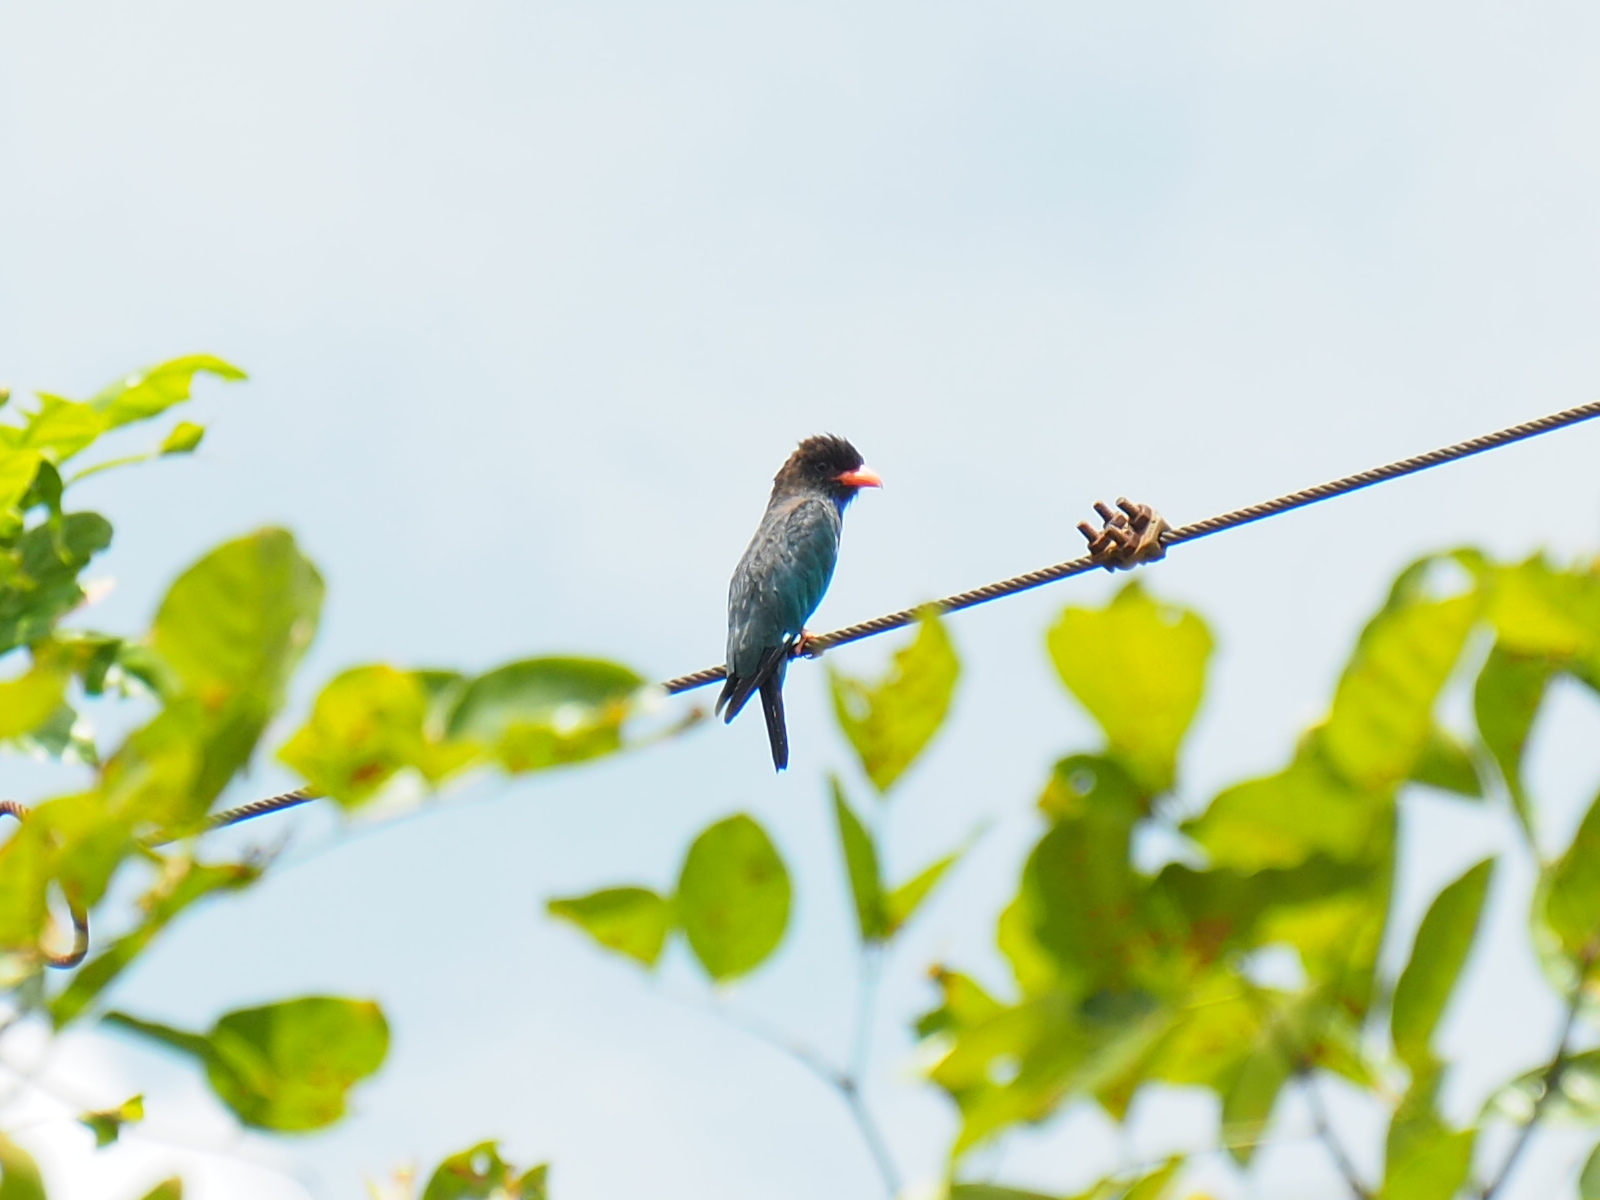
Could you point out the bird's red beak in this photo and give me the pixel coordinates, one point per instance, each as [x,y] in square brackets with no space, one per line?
[859,478]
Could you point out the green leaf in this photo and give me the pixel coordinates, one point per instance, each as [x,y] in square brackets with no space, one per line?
[106,1125]
[891,722]
[861,865]
[149,393]
[285,1066]
[59,428]
[1153,1184]
[963,1004]
[239,619]
[1078,885]
[19,1175]
[545,712]
[1543,612]
[39,576]
[17,470]
[1382,717]
[632,921]
[1440,951]
[184,438]
[230,632]
[1284,819]
[1589,1178]
[479,1172]
[1571,891]
[167,1189]
[1247,1105]
[1139,667]
[367,725]
[1433,1167]
[1447,765]
[733,897]
[28,701]
[989,1191]
[1507,698]
[902,903]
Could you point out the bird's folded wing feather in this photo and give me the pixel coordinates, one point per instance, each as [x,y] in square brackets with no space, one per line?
[781,578]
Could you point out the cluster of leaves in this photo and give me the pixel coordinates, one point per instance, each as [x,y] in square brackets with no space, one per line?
[733,896]
[1126,979]
[206,680]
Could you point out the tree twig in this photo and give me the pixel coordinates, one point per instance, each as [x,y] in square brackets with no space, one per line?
[1326,1135]
[1550,1085]
[842,1082]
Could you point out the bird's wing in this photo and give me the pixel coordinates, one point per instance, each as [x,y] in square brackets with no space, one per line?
[781,578]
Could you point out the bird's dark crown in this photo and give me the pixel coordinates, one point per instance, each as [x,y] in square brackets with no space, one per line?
[818,462]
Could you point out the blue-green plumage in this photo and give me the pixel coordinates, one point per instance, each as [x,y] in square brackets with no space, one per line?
[784,572]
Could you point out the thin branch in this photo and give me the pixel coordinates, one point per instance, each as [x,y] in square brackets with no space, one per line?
[868,972]
[1326,1135]
[841,1082]
[872,1135]
[1549,1085]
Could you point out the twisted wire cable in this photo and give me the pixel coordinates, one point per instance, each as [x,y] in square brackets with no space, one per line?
[1174,537]
[1065,570]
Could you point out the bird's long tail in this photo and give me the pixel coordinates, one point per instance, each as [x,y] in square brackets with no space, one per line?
[772,709]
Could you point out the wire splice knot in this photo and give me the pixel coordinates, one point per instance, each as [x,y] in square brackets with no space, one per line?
[1128,538]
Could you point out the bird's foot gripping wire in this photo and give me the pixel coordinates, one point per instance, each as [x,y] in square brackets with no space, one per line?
[1126,538]
[805,646]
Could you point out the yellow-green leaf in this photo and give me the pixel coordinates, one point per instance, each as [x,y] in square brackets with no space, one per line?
[1432,1167]
[1439,952]
[861,868]
[546,712]
[184,438]
[368,724]
[902,903]
[733,897]
[633,921]
[19,1174]
[29,700]
[1281,820]
[1572,891]
[1382,716]
[1589,1178]
[1248,1103]
[1139,667]
[891,722]
[287,1066]
[240,618]
[1506,699]
[106,1124]
[479,1172]
[151,392]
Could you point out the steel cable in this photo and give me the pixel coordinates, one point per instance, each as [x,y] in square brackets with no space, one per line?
[1076,566]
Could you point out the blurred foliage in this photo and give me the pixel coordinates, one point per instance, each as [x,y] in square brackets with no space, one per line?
[479,1173]
[1245,945]
[120,851]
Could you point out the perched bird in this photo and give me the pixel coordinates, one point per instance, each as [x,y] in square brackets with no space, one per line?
[781,578]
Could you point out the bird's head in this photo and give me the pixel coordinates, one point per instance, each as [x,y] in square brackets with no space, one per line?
[828,464]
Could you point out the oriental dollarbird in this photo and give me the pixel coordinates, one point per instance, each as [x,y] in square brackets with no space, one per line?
[781,578]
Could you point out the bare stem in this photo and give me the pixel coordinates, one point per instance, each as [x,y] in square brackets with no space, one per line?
[1325,1134]
[1550,1084]
[842,1082]
[872,1136]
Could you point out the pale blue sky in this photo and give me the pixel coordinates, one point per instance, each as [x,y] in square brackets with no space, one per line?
[537,296]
